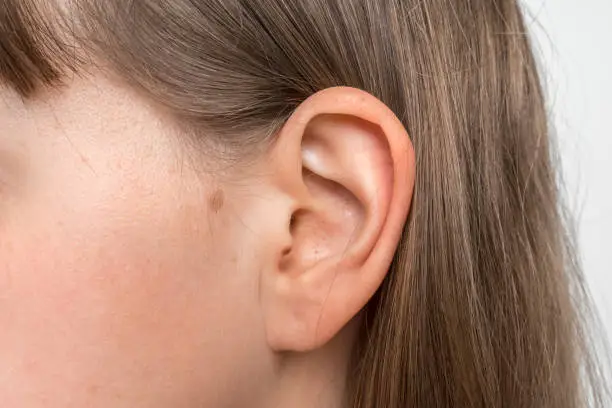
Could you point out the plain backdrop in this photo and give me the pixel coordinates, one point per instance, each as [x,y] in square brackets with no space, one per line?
[573,40]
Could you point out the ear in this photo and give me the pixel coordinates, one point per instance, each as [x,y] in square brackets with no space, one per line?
[347,165]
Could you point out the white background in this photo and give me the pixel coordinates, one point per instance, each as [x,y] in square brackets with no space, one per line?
[574,43]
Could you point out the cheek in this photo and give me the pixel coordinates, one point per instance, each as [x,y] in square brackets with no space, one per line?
[119,288]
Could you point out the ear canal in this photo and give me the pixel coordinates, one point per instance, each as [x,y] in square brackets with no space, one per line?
[326,228]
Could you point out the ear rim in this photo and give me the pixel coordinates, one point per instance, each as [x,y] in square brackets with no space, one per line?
[364,106]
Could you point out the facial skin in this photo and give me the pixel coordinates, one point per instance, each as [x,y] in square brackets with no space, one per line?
[130,277]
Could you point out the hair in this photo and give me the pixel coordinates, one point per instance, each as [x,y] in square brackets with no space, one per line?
[485,304]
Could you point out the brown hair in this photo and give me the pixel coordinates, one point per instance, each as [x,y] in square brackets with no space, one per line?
[485,304]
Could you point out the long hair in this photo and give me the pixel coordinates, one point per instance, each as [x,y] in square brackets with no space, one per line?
[485,303]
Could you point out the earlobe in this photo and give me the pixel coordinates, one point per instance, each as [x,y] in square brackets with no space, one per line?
[348,165]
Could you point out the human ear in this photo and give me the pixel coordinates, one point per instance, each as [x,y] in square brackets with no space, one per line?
[347,165]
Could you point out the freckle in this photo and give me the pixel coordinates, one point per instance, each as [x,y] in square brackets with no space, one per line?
[216,200]
[93,389]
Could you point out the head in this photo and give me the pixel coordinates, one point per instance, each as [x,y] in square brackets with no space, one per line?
[281,203]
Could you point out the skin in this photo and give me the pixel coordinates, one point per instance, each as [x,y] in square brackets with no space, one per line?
[131,277]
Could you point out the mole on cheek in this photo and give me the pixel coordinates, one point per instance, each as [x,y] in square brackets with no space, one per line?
[216,200]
